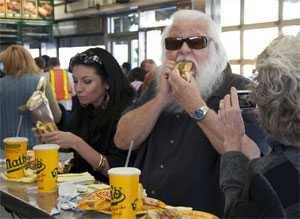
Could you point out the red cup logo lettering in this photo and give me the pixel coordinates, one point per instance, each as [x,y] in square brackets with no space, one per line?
[14,165]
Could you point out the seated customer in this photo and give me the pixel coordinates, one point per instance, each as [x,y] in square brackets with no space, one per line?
[102,93]
[269,186]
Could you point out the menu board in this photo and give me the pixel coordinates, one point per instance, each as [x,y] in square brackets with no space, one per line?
[45,9]
[29,9]
[2,8]
[13,8]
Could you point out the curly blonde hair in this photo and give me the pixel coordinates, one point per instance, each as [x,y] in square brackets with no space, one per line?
[277,93]
[17,61]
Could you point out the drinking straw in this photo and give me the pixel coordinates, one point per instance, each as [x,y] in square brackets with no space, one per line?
[129,153]
[19,125]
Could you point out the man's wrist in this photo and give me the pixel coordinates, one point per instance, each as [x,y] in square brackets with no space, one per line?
[199,113]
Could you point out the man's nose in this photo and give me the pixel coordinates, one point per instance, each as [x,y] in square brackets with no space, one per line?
[185,48]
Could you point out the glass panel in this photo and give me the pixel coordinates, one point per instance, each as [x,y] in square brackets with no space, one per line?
[34,52]
[142,45]
[291,9]
[154,49]
[230,12]
[256,40]
[48,49]
[130,23]
[231,42]
[261,11]
[120,51]
[134,53]
[248,71]
[126,23]
[156,18]
[116,24]
[291,30]
[235,69]
[66,53]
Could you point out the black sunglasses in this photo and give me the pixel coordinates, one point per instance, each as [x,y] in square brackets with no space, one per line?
[175,43]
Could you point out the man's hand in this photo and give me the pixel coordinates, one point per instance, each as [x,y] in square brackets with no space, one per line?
[164,94]
[186,93]
[231,117]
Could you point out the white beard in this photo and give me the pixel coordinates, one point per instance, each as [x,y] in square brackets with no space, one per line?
[208,77]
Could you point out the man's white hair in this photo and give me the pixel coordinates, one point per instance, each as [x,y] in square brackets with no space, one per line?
[209,75]
[212,31]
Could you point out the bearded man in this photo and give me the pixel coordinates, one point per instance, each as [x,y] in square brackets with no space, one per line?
[174,125]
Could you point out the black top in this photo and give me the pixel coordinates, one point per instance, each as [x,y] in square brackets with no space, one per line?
[179,165]
[99,138]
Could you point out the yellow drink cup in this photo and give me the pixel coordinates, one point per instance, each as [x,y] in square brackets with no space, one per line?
[46,161]
[15,149]
[124,183]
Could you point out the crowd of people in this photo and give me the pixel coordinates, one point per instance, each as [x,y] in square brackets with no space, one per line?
[225,160]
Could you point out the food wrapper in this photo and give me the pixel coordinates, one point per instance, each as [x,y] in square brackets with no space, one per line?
[38,105]
[101,199]
[185,68]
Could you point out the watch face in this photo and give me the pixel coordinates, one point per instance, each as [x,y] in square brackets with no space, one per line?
[200,113]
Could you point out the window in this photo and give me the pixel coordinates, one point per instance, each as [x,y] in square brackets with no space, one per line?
[248,26]
[123,23]
[156,18]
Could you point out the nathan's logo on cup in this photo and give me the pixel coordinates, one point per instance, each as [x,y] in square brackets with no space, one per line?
[124,183]
[47,166]
[54,172]
[15,150]
[39,166]
[14,165]
[116,195]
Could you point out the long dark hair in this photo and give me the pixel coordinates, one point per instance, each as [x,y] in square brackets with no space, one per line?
[120,92]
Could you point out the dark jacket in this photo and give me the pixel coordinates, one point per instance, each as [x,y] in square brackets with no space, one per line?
[268,187]
[179,165]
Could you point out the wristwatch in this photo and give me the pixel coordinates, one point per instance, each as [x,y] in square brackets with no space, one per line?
[199,113]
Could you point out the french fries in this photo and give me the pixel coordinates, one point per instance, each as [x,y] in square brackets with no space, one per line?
[43,128]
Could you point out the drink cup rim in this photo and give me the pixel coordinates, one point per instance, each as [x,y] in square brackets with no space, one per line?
[15,139]
[124,171]
[45,147]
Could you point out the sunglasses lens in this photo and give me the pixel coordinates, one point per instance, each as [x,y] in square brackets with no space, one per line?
[173,43]
[197,42]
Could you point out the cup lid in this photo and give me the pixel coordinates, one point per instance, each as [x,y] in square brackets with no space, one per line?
[124,171]
[15,139]
[45,146]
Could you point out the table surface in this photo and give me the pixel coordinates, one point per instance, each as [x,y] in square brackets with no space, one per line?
[25,200]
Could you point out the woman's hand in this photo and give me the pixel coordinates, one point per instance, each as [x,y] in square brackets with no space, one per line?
[63,139]
[231,117]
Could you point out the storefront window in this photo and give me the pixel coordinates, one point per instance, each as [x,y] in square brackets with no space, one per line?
[156,18]
[124,23]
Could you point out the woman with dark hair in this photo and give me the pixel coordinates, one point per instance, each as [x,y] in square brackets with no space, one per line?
[102,93]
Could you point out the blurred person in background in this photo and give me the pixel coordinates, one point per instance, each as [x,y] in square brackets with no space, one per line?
[61,82]
[40,62]
[46,60]
[126,67]
[174,122]
[20,81]
[150,68]
[136,78]
[268,187]
[102,93]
